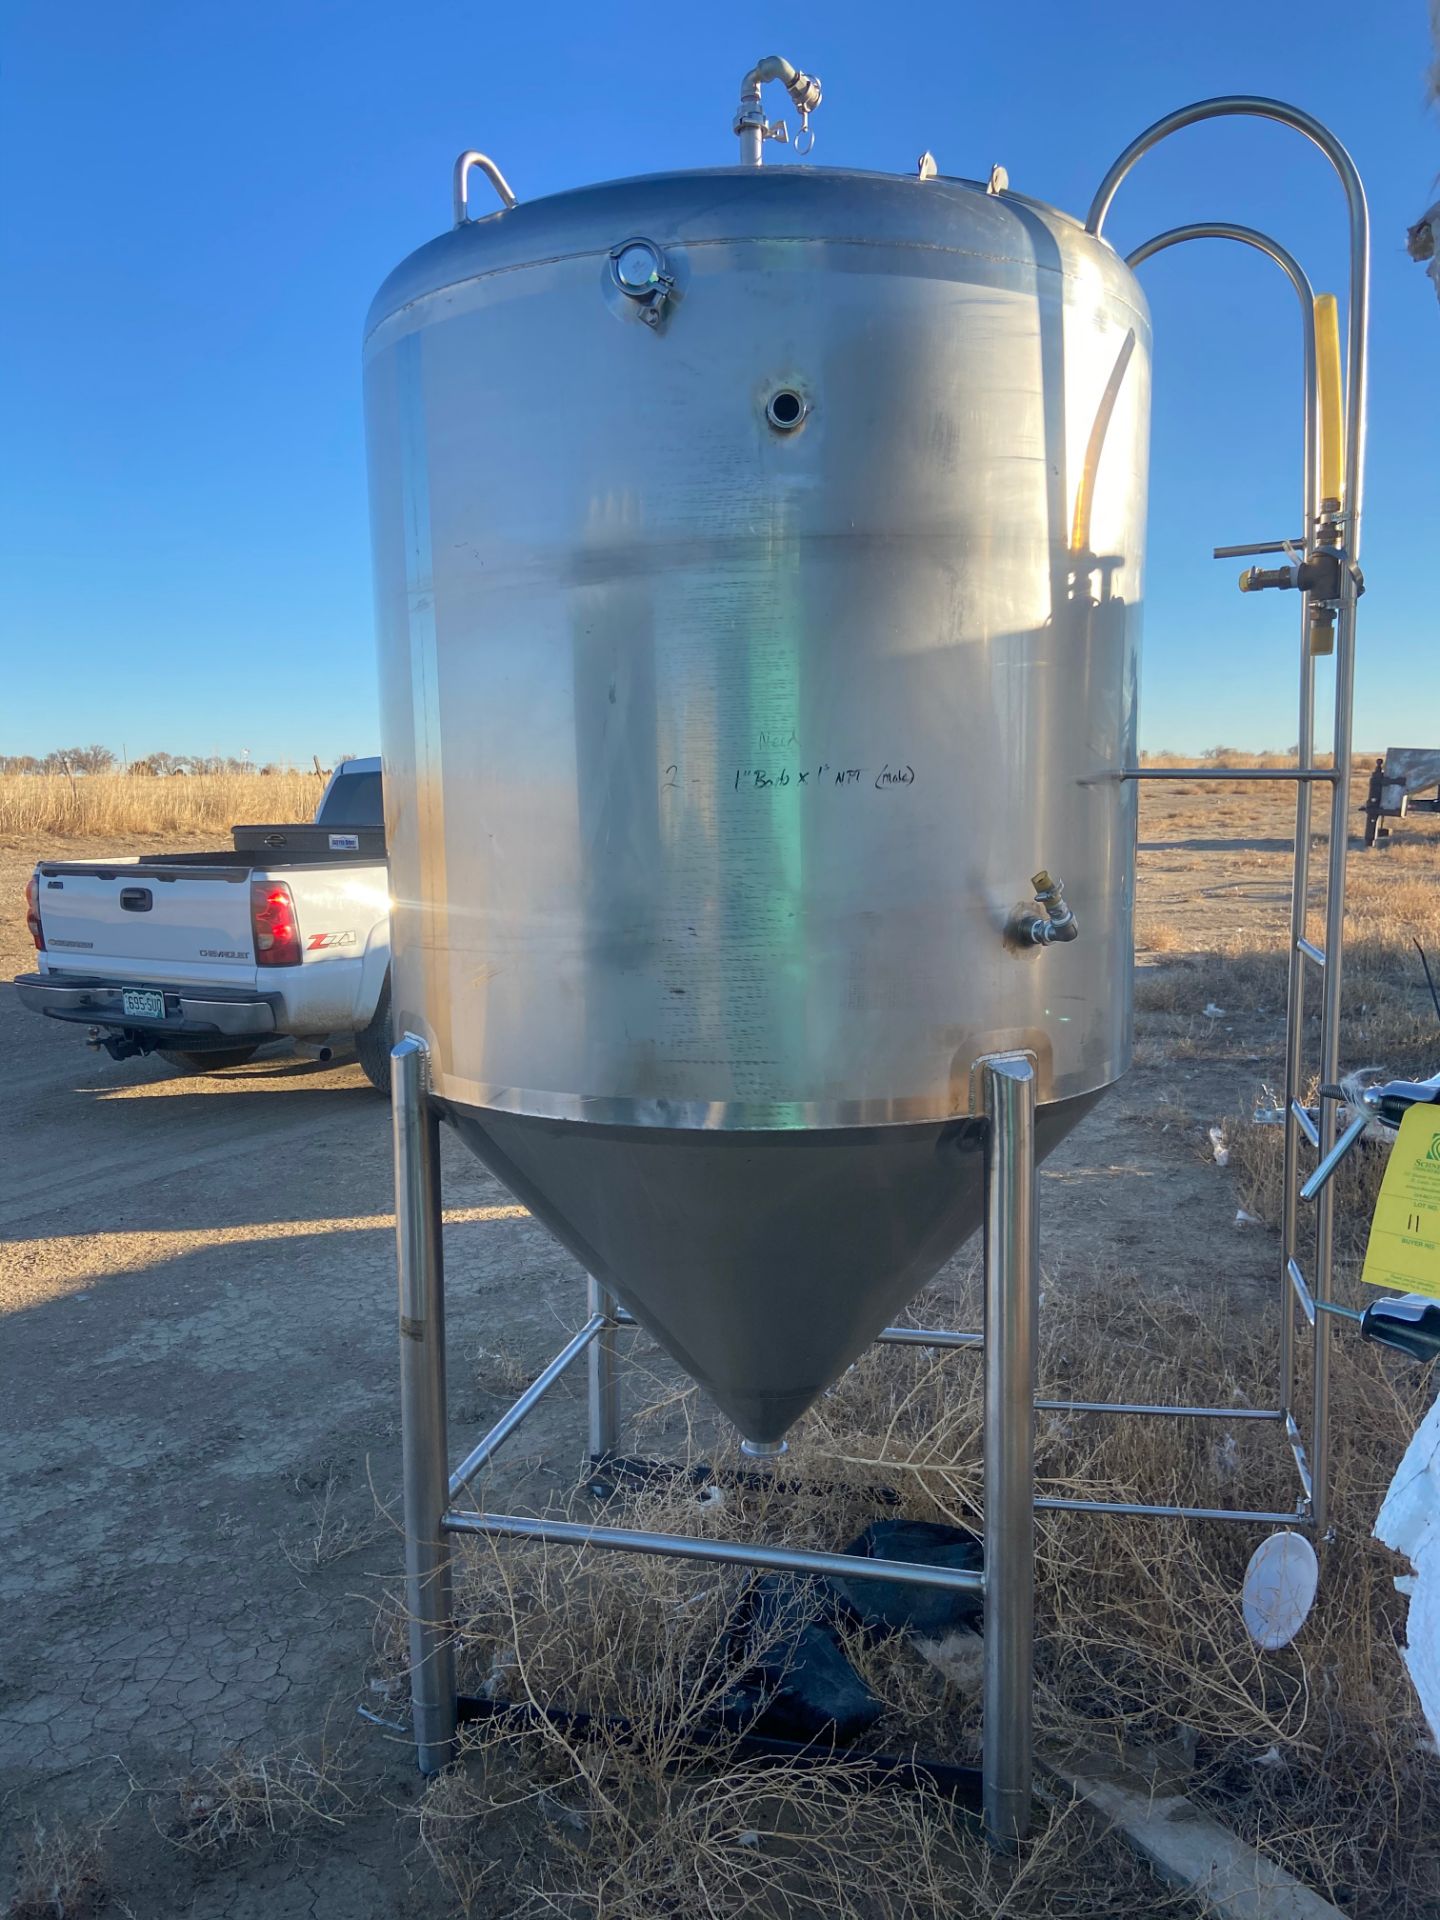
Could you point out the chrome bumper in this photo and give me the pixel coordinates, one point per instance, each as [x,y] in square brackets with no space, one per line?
[188,1009]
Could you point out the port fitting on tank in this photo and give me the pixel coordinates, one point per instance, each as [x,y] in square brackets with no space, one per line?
[750,122]
[1056,924]
[640,271]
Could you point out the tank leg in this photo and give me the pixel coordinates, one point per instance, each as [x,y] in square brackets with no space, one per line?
[1011,1302]
[604,1376]
[419,1262]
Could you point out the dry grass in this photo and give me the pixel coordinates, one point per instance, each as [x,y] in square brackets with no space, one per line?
[1221,757]
[1160,937]
[624,1822]
[242,1800]
[126,805]
[1392,901]
[609,1837]
[1248,980]
[1318,1753]
[1257,1153]
[61,1875]
[328,1535]
[1390,1024]
[499,1368]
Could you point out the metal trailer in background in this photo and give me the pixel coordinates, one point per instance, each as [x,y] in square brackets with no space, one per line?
[1003,1088]
[1396,785]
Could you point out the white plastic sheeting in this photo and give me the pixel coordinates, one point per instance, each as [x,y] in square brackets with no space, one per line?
[1409,1522]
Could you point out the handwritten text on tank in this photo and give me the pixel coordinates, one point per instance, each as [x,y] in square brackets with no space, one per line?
[763,779]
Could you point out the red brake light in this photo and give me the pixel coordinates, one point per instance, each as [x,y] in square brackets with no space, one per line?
[32,913]
[272,914]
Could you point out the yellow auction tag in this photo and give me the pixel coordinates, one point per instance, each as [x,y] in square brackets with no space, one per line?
[1404,1249]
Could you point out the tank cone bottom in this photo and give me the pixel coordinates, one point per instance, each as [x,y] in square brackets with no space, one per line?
[764,1262]
[764,1449]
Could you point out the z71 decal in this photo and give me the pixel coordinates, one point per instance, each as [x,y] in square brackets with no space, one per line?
[317,941]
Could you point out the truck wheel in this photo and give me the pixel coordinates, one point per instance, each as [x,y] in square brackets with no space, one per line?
[212,1060]
[373,1043]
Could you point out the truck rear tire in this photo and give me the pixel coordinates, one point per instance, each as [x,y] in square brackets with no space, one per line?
[210,1060]
[373,1043]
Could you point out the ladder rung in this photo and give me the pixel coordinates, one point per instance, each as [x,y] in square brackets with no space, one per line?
[1310,951]
[1302,1460]
[1302,1292]
[1324,775]
[1321,1176]
[1306,1125]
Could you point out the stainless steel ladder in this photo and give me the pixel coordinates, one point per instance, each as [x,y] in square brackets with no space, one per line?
[1324,570]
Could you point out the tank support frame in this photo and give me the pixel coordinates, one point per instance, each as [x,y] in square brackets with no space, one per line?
[1010,1348]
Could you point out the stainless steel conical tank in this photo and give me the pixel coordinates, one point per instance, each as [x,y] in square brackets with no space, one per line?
[758,564]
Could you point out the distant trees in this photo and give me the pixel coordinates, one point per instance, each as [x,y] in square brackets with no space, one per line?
[97,759]
[1222,757]
[78,760]
[221,763]
[172,763]
[71,760]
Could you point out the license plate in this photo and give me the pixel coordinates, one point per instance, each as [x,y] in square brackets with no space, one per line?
[142,1004]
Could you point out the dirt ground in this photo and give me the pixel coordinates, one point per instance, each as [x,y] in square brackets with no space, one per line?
[202,1460]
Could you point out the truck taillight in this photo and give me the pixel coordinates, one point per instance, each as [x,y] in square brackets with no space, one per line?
[272,914]
[32,913]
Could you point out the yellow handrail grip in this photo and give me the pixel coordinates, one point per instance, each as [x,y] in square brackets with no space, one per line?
[1332,397]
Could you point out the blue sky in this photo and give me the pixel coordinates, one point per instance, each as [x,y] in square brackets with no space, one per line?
[201,199]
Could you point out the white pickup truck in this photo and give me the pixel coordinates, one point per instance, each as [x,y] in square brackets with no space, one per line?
[202,957]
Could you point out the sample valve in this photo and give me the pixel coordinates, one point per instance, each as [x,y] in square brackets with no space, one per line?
[1318,574]
[1057,923]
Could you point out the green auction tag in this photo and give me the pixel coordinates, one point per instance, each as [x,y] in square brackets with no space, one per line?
[1404,1249]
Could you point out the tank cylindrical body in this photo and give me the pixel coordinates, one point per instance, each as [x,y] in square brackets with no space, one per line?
[750,635]
[719,750]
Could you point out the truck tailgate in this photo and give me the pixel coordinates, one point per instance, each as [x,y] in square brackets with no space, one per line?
[142,921]
[306,841]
